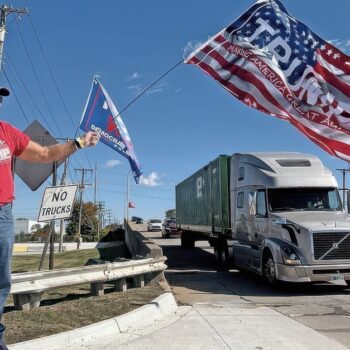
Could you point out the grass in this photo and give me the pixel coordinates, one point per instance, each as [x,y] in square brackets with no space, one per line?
[23,263]
[69,308]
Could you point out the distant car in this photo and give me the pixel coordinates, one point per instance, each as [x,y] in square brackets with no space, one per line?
[154,225]
[139,221]
[169,228]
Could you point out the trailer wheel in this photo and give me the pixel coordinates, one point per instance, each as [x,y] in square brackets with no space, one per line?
[187,241]
[269,270]
[222,255]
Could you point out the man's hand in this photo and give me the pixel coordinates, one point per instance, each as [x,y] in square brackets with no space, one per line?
[90,139]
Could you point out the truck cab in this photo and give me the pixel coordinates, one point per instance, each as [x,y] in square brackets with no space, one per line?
[287,220]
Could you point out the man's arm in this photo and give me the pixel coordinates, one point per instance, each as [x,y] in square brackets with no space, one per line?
[39,154]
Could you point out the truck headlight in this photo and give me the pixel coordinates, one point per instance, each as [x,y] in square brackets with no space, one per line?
[289,256]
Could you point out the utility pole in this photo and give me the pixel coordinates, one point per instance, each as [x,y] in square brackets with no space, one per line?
[95,187]
[63,182]
[109,214]
[81,189]
[4,12]
[100,209]
[344,189]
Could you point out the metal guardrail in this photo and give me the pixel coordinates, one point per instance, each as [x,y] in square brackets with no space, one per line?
[28,287]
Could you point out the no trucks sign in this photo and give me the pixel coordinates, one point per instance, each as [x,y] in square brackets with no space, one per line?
[57,202]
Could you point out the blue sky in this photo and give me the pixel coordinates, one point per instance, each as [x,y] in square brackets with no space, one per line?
[181,124]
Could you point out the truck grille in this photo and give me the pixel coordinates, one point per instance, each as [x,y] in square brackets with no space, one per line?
[331,246]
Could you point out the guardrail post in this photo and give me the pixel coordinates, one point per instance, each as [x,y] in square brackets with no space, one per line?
[120,285]
[97,289]
[139,281]
[152,278]
[27,301]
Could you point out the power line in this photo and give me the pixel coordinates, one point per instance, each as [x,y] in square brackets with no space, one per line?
[51,72]
[55,82]
[38,80]
[14,94]
[12,66]
[138,195]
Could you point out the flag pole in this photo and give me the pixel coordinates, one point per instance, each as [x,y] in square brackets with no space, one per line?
[127,196]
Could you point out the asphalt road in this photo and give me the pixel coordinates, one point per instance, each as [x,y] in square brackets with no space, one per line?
[193,278]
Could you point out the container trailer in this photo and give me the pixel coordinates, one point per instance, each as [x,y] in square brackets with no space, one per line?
[276,214]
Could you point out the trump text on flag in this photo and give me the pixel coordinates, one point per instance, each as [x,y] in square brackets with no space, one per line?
[274,63]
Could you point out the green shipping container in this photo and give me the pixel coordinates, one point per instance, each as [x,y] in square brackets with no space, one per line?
[203,199]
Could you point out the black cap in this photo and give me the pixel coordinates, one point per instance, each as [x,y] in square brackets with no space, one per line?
[4,91]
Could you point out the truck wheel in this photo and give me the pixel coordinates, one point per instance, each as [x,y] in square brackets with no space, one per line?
[269,271]
[222,256]
[187,241]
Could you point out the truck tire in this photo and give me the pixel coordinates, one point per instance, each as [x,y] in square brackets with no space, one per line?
[269,270]
[222,255]
[187,240]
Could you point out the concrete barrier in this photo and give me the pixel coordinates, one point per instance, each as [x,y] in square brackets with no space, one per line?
[140,245]
[20,248]
[37,247]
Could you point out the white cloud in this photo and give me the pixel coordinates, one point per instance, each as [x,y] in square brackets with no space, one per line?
[137,88]
[158,89]
[134,76]
[112,163]
[152,180]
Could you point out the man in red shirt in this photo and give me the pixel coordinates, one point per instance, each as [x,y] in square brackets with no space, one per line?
[15,143]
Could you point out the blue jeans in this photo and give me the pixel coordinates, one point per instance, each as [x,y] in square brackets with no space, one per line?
[6,246]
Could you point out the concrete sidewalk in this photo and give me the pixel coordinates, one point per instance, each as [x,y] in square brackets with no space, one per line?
[162,325]
[226,326]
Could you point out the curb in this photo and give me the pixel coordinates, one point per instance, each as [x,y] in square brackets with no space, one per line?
[163,305]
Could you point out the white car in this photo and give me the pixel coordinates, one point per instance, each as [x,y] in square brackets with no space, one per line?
[154,225]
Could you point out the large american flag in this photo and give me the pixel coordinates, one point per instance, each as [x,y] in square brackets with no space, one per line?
[276,64]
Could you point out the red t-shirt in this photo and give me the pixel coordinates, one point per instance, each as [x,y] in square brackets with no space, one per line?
[12,143]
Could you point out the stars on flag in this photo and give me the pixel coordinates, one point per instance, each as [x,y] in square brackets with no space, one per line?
[250,102]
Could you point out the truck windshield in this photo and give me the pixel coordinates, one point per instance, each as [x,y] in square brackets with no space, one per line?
[315,198]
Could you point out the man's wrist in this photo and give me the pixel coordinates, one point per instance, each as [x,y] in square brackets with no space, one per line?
[79,143]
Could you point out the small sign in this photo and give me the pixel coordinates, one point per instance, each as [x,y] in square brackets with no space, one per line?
[57,203]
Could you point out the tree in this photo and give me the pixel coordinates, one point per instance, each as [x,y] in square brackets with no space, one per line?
[40,232]
[88,220]
[171,213]
[35,228]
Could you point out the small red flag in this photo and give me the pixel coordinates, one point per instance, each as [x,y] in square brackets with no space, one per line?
[132,205]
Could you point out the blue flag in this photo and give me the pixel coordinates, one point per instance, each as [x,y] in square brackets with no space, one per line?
[101,115]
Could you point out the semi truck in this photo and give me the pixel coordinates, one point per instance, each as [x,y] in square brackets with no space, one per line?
[276,214]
